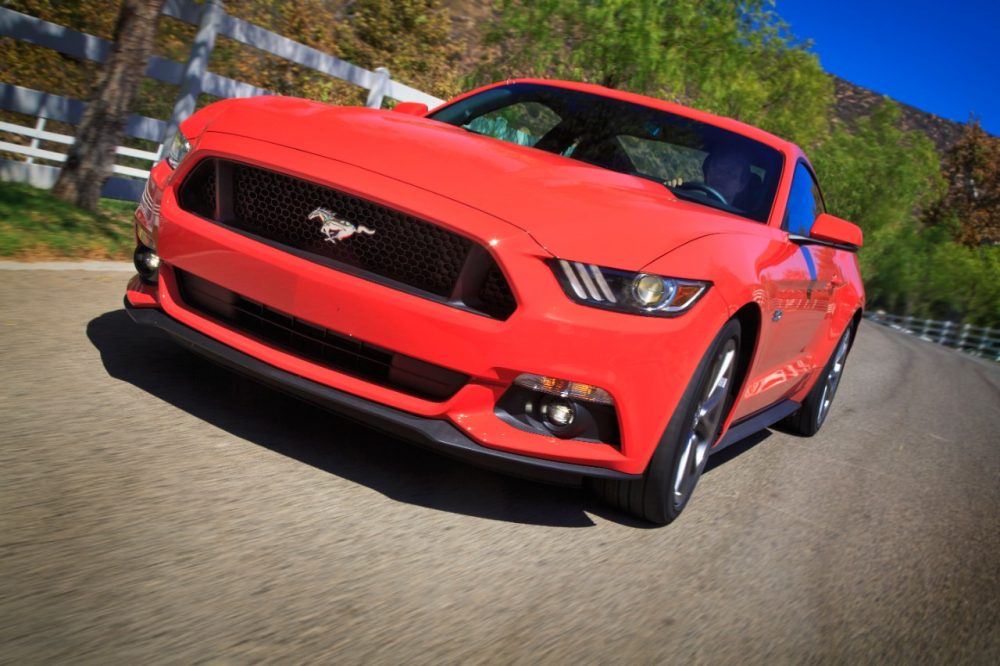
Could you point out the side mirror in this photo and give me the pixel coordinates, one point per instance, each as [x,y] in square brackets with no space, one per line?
[835,230]
[411,108]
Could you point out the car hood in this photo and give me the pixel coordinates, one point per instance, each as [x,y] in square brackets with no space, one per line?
[574,210]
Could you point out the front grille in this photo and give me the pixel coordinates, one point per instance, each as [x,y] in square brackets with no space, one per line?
[317,344]
[403,251]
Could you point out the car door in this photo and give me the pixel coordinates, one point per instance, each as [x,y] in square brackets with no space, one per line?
[795,277]
[821,258]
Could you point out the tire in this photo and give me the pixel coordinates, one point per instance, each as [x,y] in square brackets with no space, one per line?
[809,418]
[669,480]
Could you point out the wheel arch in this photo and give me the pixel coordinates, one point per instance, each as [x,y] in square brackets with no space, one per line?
[855,324]
[750,319]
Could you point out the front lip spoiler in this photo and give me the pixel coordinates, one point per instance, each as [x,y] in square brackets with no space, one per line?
[435,434]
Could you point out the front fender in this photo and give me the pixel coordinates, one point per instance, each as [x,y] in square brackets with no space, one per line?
[731,262]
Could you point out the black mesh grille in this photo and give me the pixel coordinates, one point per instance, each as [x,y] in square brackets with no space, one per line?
[386,243]
[199,192]
[495,296]
[317,344]
[402,248]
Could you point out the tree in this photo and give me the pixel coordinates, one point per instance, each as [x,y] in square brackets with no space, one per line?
[881,178]
[735,59]
[91,158]
[972,170]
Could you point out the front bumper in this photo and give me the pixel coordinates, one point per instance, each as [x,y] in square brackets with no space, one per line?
[432,433]
[645,363]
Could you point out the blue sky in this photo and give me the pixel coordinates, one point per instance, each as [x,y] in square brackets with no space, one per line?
[938,56]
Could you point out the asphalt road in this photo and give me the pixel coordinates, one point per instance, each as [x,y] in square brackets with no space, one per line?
[154,508]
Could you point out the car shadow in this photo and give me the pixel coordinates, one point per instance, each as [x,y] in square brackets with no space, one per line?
[148,359]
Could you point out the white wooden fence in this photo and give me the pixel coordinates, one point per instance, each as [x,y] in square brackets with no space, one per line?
[193,78]
[976,340]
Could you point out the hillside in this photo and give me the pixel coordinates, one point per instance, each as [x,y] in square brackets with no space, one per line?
[854,101]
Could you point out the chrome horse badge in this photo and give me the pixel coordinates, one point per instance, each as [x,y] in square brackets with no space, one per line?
[335,228]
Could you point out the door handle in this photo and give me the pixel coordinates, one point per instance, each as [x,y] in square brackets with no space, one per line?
[837,281]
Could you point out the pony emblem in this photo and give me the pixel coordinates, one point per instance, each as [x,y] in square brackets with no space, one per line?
[335,228]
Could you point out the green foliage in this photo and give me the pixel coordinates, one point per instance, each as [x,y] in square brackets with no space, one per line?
[883,178]
[925,273]
[35,225]
[963,282]
[615,43]
[735,59]
[876,174]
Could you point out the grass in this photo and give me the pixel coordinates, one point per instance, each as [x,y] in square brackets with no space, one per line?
[35,225]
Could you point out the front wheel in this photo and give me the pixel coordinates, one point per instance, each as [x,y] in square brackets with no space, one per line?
[680,458]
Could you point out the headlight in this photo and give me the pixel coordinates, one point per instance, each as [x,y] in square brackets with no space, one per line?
[637,293]
[179,147]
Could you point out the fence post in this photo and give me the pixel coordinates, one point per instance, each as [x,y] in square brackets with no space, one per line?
[378,89]
[943,335]
[212,14]
[40,126]
[927,328]
[964,336]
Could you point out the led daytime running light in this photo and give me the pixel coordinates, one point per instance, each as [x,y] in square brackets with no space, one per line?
[636,293]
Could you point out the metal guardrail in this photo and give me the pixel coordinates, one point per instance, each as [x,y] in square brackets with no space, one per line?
[193,78]
[977,340]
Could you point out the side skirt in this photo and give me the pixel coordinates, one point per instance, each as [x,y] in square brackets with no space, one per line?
[755,423]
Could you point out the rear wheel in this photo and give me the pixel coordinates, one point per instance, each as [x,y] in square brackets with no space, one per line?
[680,458]
[809,418]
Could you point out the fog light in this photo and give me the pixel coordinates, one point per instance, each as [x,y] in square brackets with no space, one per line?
[560,413]
[147,263]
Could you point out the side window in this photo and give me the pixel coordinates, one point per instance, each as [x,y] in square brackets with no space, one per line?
[523,123]
[805,203]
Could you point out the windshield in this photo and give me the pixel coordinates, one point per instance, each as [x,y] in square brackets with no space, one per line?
[694,160]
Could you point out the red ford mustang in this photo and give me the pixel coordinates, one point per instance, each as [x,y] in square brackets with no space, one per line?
[553,279]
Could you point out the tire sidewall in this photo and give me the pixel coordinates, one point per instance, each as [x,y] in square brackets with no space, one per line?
[663,465]
[812,402]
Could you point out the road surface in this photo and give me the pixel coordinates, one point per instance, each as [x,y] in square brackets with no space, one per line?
[155,508]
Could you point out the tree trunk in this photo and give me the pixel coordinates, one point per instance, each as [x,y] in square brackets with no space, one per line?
[102,128]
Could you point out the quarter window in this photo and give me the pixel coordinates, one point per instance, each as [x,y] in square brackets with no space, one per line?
[805,203]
